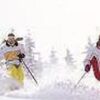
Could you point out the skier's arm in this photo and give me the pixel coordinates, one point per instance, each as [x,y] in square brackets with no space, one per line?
[1,52]
[22,51]
[88,58]
[87,61]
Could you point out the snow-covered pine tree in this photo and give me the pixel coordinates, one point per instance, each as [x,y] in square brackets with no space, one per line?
[38,67]
[29,46]
[89,46]
[69,58]
[53,57]
[32,56]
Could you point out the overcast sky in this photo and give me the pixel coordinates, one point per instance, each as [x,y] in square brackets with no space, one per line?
[59,23]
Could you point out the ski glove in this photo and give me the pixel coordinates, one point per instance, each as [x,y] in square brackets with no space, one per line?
[21,55]
[87,68]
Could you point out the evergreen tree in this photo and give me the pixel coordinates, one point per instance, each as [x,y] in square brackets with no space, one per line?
[29,47]
[69,58]
[90,45]
[32,56]
[53,57]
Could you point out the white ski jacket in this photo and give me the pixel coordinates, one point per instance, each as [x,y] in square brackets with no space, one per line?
[94,52]
[10,53]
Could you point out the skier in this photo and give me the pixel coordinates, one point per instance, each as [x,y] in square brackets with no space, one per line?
[93,60]
[12,52]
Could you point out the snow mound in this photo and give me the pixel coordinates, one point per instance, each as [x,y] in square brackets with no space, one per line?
[63,91]
[58,91]
[8,84]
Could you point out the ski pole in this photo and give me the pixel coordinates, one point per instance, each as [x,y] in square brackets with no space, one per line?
[80,80]
[29,71]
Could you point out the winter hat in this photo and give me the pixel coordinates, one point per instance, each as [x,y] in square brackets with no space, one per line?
[17,39]
[11,34]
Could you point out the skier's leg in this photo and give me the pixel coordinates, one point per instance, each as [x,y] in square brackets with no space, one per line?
[16,73]
[96,70]
[12,71]
[21,74]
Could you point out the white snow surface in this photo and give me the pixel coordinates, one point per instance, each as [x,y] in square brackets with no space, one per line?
[54,84]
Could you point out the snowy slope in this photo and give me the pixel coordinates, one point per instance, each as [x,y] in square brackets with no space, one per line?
[54,85]
[56,82]
[59,91]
